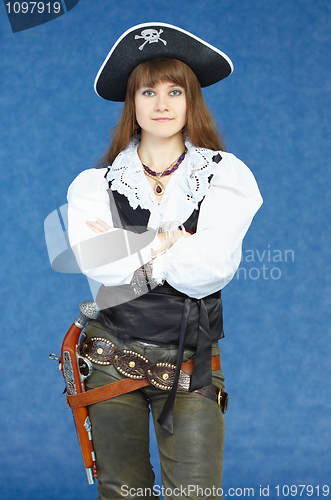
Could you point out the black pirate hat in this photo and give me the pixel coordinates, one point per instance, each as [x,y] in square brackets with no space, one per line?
[152,41]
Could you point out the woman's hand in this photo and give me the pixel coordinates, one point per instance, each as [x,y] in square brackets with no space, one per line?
[168,239]
[98,226]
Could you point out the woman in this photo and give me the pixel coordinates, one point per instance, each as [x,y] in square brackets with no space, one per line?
[161,227]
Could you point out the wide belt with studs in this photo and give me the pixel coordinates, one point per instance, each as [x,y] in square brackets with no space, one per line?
[139,372]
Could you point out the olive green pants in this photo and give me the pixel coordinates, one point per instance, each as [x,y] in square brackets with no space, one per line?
[191,459]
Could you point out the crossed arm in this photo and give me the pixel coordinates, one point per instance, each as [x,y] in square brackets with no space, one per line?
[166,239]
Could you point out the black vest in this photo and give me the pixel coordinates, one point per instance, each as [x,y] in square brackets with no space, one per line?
[158,312]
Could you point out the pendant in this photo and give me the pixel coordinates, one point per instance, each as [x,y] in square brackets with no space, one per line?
[158,188]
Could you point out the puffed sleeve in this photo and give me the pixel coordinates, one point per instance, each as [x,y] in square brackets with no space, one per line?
[108,257]
[206,261]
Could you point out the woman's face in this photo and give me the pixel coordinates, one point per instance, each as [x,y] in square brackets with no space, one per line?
[161,109]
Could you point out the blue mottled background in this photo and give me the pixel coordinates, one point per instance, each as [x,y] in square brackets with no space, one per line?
[274,114]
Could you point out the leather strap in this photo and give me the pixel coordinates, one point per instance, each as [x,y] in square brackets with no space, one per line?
[105,392]
[124,386]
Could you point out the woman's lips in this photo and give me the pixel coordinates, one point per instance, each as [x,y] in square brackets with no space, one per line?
[162,119]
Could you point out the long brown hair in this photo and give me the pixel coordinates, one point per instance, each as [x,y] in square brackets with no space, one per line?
[201,128]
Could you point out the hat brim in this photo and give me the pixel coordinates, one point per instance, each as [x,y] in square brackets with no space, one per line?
[140,43]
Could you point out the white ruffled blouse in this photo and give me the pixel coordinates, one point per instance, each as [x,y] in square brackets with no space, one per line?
[198,265]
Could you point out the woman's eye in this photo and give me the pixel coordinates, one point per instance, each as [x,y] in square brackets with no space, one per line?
[148,93]
[175,92]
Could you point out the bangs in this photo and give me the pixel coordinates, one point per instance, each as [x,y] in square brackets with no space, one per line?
[154,71]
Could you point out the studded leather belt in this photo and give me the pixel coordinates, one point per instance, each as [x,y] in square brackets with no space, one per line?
[139,372]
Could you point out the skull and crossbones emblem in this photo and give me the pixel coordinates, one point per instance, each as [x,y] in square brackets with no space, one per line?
[150,36]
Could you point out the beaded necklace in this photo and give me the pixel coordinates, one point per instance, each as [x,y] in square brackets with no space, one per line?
[158,186]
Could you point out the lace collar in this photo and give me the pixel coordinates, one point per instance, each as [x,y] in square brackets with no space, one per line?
[127,176]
